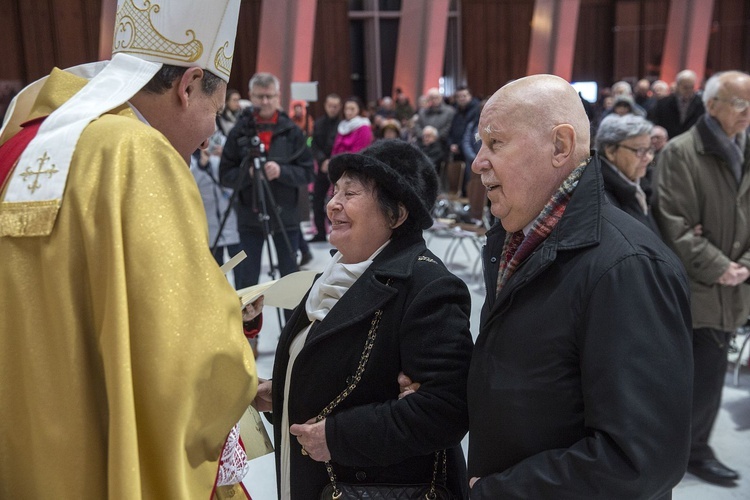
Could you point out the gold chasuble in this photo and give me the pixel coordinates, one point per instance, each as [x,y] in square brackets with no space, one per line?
[123,365]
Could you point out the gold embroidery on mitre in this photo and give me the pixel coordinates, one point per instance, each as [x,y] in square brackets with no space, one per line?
[222,62]
[136,34]
[28,218]
[29,173]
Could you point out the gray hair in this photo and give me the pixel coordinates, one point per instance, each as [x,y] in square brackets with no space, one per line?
[624,86]
[686,74]
[614,129]
[713,85]
[264,80]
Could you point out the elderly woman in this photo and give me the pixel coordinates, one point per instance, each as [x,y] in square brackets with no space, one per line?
[382,289]
[624,146]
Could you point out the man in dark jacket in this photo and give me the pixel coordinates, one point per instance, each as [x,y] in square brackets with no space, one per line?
[323,137]
[679,111]
[288,168]
[580,381]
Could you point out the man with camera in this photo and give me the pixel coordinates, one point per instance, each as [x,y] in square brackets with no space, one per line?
[266,144]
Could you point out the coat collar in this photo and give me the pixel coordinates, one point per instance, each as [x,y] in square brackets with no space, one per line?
[372,290]
[579,227]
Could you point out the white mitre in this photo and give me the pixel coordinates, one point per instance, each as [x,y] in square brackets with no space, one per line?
[148,34]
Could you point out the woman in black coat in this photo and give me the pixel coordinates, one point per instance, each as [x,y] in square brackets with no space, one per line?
[624,147]
[382,200]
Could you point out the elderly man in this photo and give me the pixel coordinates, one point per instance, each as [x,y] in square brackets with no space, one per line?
[122,357]
[288,169]
[679,111]
[580,381]
[436,113]
[702,180]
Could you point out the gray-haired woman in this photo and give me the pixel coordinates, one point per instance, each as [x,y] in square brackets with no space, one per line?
[624,146]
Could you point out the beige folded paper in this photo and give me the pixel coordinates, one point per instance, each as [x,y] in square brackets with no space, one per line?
[254,435]
[286,292]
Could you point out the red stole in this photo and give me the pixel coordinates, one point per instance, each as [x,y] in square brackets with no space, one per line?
[11,151]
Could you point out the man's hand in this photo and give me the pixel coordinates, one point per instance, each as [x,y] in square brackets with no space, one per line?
[324,166]
[734,275]
[312,437]
[252,310]
[273,170]
[406,386]
[262,401]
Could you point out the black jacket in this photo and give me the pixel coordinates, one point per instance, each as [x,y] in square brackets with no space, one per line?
[622,195]
[288,149]
[666,113]
[324,135]
[581,379]
[424,332]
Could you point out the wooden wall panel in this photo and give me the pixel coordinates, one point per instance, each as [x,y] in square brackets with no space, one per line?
[495,37]
[594,42]
[245,46]
[332,57]
[729,42]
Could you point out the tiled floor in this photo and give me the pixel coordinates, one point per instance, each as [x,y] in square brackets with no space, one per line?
[731,439]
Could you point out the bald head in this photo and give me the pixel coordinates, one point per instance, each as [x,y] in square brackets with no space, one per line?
[534,133]
[541,102]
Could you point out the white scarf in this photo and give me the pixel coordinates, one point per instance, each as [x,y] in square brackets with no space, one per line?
[336,279]
[346,127]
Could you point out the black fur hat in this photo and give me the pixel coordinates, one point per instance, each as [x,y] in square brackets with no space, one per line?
[399,168]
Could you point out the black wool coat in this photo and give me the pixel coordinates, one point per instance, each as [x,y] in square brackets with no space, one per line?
[666,113]
[424,331]
[581,379]
[622,195]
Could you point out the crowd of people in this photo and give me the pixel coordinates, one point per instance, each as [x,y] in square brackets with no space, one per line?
[615,278]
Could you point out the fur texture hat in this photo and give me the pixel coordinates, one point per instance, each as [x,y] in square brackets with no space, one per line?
[399,168]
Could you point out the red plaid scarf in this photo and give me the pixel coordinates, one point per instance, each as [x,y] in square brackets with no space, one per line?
[517,247]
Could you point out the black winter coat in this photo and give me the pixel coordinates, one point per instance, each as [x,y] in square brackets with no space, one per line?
[666,113]
[581,379]
[622,195]
[424,331]
[289,150]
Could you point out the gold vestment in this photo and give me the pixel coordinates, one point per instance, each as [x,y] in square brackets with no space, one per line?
[123,365]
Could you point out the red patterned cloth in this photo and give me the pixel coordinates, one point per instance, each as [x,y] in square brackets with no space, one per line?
[517,247]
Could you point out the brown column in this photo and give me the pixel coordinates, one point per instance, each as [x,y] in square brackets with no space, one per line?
[686,43]
[421,46]
[106,28]
[285,44]
[553,37]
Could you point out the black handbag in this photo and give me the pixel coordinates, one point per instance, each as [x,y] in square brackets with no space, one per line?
[347,491]
[386,492]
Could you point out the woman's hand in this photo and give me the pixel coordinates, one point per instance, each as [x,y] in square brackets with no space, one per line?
[312,437]
[406,386]
[252,310]
[263,401]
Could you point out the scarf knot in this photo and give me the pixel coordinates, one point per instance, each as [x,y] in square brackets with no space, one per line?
[518,247]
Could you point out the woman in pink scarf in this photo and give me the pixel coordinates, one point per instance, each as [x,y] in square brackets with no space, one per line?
[354,132]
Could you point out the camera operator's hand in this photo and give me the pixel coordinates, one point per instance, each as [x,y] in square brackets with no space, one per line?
[203,160]
[273,170]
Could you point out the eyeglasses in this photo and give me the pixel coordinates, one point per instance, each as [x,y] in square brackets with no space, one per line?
[639,152]
[739,105]
[264,97]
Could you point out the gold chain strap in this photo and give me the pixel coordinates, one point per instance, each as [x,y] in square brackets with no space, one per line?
[348,390]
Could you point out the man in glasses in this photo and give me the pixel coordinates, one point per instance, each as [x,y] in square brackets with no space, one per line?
[288,168]
[702,180]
